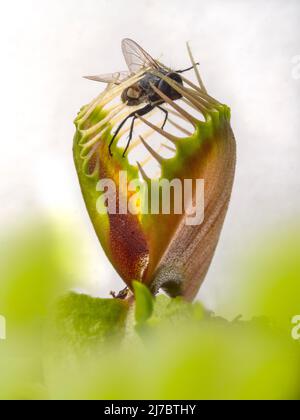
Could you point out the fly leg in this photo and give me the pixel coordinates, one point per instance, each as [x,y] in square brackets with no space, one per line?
[185,70]
[130,134]
[133,115]
[118,130]
[166,116]
[139,113]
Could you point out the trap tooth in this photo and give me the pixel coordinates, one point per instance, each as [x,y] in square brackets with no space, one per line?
[197,72]
[143,173]
[178,108]
[164,133]
[89,109]
[120,117]
[198,104]
[105,121]
[156,156]
[93,141]
[200,92]
[137,141]
[179,127]
[169,148]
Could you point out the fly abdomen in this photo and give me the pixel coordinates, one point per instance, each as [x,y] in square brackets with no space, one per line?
[167,89]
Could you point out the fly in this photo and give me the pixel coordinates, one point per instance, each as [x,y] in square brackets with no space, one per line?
[141,92]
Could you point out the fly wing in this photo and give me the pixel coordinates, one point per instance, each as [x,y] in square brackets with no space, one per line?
[136,57]
[115,78]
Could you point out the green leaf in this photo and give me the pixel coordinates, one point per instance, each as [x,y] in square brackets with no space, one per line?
[83,322]
[144,302]
[175,310]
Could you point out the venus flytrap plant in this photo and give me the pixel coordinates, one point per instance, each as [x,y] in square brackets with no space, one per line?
[159,250]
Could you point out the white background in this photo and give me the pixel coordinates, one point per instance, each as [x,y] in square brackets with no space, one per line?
[246,49]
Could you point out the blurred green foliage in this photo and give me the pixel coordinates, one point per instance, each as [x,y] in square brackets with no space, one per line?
[176,359]
[63,345]
[35,262]
[267,281]
[36,266]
